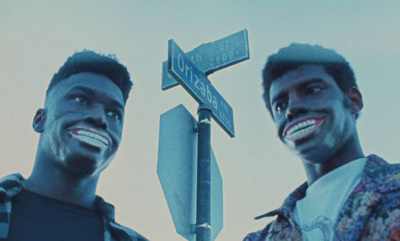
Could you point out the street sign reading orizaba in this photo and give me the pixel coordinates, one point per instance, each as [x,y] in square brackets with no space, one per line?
[199,87]
[213,56]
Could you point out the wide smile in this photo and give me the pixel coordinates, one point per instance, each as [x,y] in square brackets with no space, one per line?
[302,129]
[92,137]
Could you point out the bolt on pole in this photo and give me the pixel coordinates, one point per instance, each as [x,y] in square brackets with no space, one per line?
[203,209]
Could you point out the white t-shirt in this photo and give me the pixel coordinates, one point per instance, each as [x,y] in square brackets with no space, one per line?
[316,214]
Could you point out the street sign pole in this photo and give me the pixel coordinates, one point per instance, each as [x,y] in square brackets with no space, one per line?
[203,217]
[181,69]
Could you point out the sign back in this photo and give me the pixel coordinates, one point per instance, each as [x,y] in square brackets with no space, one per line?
[177,172]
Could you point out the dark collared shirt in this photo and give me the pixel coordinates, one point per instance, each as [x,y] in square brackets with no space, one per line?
[11,185]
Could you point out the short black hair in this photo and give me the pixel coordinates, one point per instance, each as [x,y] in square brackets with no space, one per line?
[296,55]
[90,61]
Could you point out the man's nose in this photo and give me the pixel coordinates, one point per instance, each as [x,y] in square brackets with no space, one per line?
[296,107]
[96,116]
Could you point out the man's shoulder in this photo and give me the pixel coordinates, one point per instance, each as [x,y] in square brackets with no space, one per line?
[381,166]
[373,209]
[123,230]
[11,178]
[10,185]
[108,211]
[381,176]
[255,236]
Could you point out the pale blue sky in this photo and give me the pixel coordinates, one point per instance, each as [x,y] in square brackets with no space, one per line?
[258,172]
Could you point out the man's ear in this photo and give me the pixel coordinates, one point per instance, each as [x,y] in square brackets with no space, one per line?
[356,101]
[38,120]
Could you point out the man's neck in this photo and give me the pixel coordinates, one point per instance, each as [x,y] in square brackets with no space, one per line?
[350,152]
[52,181]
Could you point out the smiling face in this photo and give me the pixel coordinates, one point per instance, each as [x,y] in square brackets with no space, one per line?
[81,124]
[313,116]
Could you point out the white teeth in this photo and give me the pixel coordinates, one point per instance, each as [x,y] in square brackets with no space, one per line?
[294,129]
[91,141]
[91,138]
[92,135]
[301,132]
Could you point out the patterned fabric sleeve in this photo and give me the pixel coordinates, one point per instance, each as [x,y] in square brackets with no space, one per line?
[384,223]
[259,235]
[394,234]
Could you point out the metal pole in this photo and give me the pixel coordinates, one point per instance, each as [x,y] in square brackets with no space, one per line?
[203,210]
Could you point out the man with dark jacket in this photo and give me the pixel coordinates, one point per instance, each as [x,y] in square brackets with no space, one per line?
[80,129]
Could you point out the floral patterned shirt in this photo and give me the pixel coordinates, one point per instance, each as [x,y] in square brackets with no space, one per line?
[372,211]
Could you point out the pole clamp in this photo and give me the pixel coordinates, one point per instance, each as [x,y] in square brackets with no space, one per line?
[204,226]
[205,121]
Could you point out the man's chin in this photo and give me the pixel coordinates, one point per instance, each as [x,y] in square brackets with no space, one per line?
[82,166]
[311,154]
[81,171]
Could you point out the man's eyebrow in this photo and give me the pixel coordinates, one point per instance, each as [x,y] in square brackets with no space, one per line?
[311,81]
[280,96]
[115,103]
[118,105]
[300,85]
[82,88]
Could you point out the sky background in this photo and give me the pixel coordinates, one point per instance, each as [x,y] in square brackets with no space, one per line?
[258,172]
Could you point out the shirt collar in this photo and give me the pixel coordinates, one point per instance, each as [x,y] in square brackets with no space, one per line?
[288,204]
[105,208]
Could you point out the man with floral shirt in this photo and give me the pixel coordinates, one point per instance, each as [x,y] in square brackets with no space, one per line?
[314,101]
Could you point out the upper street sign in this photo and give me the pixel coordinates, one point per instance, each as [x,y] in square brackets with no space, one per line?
[213,56]
[199,87]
